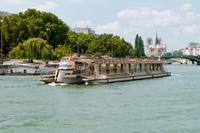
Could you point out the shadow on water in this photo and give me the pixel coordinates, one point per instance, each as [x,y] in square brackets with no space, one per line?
[106,86]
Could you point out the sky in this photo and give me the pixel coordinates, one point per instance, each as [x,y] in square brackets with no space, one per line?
[177,22]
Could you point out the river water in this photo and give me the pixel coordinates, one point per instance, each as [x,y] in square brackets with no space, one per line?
[163,105]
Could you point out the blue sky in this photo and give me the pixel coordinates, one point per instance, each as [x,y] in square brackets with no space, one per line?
[177,21]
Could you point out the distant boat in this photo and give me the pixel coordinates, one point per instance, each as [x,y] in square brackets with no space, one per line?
[24,68]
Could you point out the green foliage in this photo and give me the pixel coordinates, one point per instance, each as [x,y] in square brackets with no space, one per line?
[63,50]
[35,48]
[136,53]
[32,24]
[137,42]
[18,52]
[107,44]
[79,42]
[139,47]
[168,54]
[18,29]
[176,53]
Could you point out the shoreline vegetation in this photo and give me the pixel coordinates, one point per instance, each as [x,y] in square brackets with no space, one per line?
[34,34]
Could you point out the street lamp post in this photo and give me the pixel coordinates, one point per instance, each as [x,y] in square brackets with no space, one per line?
[1,41]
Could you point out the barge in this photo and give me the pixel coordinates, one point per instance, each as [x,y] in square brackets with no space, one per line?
[105,70]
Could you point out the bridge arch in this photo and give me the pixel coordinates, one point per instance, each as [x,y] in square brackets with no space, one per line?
[191,58]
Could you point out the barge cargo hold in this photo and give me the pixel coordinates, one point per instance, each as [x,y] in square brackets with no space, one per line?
[105,70]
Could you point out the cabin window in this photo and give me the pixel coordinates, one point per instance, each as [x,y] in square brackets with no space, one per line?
[140,67]
[122,66]
[76,72]
[132,68]
[150,67]
[153,65]
[103,68]
[25,71]
[115,68]
[99,69]
[11,71]
[92,68]
[157,67]
[147,67]
[107,71]
[161,67]
[67,73]
[129,67]
[144,68]
[136,67]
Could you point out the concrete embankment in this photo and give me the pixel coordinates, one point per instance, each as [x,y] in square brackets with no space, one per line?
[20,68]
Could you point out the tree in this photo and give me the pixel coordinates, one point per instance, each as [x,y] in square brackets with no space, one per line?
[79,42]
[136,53]
[35,48]
[17,28]
[177,53]
[168,54]
[33,24]
[139,47]
[137,42]
[63,50]
[110,45]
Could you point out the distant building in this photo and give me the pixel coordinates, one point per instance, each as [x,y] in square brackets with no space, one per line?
[155,50]
[2,13]
[15,67]
[83,30]
[192,49]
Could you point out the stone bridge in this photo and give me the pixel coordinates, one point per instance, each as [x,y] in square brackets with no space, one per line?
[189,57]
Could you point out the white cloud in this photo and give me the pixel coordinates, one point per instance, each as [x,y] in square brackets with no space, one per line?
[84,23]
[194,28]
[111,27]
[46,6]
[147,17]
[145,21]
[74,1]
[186,7]
[12,2]
[129,20]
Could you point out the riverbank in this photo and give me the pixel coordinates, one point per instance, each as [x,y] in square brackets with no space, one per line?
[25,68]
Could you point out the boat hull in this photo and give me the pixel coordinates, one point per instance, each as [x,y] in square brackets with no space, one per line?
[73,80]
[48,79]
[128,78]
